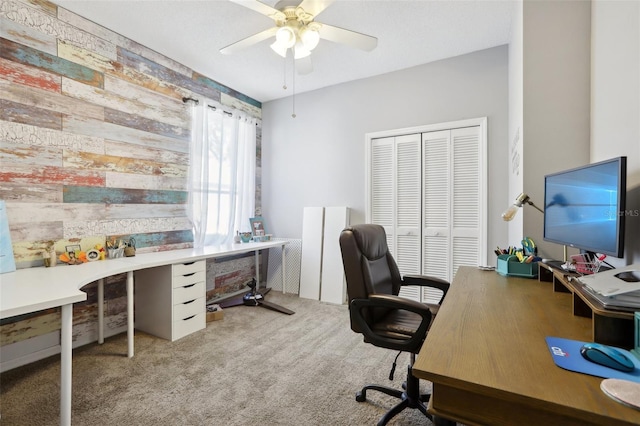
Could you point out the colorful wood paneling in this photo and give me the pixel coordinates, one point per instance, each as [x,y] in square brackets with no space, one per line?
[94,141]
[92,194]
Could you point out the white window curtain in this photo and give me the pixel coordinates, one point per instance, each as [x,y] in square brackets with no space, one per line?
[221,173]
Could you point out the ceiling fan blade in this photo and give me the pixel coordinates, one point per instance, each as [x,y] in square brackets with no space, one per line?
[249,41]
[315,7]
[304,65]
[348,37]
[261,8]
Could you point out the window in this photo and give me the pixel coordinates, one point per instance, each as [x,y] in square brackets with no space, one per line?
[221,173]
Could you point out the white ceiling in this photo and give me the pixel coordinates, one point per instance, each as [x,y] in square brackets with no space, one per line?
[409,33]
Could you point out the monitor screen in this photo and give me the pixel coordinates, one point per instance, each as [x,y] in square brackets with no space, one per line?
[584,207]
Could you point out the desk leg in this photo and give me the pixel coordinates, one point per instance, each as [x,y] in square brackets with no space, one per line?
[66,337]
[101,311]
[284,271]
[130,314]
[257,269]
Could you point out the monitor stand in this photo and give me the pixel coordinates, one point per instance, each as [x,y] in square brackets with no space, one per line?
[556,264]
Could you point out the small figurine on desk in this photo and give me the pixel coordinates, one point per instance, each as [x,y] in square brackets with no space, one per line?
[49,255]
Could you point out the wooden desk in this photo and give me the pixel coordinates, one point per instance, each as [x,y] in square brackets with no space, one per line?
[489,363]
[34,289]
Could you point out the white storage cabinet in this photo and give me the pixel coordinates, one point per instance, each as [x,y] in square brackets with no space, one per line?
[170,300]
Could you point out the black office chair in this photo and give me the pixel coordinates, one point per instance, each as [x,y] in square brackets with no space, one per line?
[385,319]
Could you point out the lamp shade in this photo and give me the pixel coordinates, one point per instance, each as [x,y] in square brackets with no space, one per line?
[279,49]
[309,38]
[300,51]
[286,37]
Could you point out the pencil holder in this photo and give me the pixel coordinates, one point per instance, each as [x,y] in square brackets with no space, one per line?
[509,265]
[115,253]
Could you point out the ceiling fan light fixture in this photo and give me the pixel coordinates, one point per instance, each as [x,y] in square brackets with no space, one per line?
[279,49]
[286,37]
[309,37]
[300,51]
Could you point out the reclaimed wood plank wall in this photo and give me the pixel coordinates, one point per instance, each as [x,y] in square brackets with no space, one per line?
[94,141]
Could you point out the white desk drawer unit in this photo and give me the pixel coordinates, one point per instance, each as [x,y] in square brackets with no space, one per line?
[170,300]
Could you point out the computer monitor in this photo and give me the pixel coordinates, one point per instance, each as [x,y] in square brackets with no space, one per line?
[585,207]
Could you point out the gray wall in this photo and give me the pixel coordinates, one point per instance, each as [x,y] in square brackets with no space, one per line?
[556,101]
[615,101]
[317,158]
[575,84]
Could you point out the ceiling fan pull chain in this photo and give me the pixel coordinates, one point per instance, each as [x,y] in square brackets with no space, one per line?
[293,94]
[284,83]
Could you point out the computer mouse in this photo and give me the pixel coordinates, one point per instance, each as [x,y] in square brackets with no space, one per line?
[607,356]
[629,276]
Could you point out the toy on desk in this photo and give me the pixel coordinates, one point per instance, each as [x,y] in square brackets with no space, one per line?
[101,251]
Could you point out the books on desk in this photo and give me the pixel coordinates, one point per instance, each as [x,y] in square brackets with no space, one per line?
[616,287]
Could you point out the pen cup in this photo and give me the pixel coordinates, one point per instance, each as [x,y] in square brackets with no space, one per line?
[115,253]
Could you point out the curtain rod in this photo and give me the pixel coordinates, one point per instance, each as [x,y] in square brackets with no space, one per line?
[185,100]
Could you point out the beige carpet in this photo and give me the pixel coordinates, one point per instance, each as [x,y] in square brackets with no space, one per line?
[255,367]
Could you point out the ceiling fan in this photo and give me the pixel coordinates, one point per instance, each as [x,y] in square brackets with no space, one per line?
[296,29]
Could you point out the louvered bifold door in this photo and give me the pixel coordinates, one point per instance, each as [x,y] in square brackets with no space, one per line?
[467,214]
[382,186]
[408,209]
[436,194]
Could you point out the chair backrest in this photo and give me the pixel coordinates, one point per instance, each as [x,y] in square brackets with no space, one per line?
[369,267]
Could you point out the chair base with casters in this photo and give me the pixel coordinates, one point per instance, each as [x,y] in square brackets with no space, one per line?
[410,396]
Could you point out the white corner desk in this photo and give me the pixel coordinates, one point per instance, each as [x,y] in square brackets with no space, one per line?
[34,289]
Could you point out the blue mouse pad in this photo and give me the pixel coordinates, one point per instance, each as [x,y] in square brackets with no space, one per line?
[566,354]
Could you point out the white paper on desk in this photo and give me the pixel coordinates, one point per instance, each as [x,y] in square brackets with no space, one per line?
[607,284]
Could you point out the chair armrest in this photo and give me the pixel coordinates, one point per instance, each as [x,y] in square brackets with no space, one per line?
[427,281]
[388,301]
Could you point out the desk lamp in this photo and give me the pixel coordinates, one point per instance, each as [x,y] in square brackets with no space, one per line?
[523,198]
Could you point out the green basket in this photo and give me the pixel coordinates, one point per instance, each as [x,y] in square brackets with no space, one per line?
[509,265]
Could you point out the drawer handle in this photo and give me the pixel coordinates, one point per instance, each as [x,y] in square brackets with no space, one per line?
[190,301]
[188,275]
[188,318]
[188,286]
[190,263]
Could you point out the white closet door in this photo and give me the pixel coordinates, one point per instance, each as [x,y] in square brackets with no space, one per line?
[468,195]
[437,204]
[382,188]
[408,205]
[427,187]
